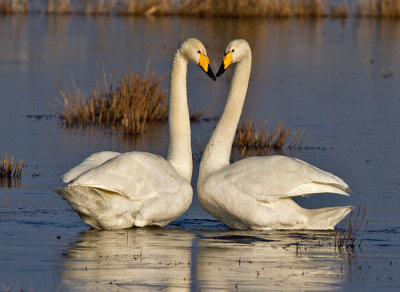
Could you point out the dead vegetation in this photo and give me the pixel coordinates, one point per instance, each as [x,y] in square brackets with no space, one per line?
[125,103]
[251,138]
[347,234]
[14,6]
[209,8]
[7,168]
[379,8]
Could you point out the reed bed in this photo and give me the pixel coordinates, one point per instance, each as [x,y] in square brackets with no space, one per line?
[8,169]
[379,8]
[128,102]
[14,6]
[346,236]
[209,8]
[253,138]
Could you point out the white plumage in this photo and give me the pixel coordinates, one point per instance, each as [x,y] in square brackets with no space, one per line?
[257,192]
[110,190]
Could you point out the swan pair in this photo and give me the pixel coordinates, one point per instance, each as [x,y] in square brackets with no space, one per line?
[110,190]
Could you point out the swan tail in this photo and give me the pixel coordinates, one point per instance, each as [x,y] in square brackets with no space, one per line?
[98,209]
[327,218]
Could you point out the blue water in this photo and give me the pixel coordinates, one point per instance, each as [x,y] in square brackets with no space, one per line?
[326,76]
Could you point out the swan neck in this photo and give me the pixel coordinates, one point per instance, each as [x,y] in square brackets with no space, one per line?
[179,149]
[218,151]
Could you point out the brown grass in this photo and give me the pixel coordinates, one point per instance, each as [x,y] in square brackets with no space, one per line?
[14,6]
[310,8]
[252,137]
[58,7]
[346,236]
[379,8]
[8,169]
[129,104]
[210,8]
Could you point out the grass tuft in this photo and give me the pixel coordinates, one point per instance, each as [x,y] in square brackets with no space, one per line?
[127,103]
[253,138]
[346,236]
[8,169]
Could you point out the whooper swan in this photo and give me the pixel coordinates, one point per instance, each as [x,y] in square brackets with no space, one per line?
[110,190]
[256,193]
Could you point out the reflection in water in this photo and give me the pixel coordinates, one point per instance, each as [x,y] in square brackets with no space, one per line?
[126,260]
[175,260]
[272,261]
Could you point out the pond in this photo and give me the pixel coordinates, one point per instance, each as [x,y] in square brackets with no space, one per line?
[337,79]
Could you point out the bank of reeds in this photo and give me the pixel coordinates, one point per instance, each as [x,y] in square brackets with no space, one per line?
[126,102]
[8,169]
[209,8]
[14,6]
[251,139]
[259,139]
[379,8]
[351,228]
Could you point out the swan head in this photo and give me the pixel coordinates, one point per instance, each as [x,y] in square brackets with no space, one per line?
[194,51]
[235,51]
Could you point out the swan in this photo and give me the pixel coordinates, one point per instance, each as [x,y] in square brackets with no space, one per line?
[256,193]
[111,190]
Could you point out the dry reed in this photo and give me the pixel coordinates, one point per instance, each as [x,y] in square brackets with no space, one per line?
[129,104]
[8,169]
[14,6]
[347,234]
[310,8]
[58,7]
[379,8]
[255,138]
[133,101]
[209,8]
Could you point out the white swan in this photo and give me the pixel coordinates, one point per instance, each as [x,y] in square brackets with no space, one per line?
[257,192]
[110,190]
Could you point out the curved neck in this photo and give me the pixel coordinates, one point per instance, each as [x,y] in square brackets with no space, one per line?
[218,151]
[179,149]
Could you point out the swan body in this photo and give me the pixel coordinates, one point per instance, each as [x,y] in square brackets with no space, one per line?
[257,192]
[112,190]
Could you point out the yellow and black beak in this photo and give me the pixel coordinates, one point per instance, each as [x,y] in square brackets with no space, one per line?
[204,63]
[226,62]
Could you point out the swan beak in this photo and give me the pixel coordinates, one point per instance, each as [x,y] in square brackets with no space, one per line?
[226,62]
[204,63]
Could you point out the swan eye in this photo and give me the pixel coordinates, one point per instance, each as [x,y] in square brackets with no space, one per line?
[199,52]
[233,50]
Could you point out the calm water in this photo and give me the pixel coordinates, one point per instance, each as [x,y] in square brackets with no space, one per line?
[326,76]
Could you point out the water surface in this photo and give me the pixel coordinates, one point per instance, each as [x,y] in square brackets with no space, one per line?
[329,77]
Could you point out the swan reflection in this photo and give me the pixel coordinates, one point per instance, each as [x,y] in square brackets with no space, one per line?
[274,260]
[159,259]
[131,259]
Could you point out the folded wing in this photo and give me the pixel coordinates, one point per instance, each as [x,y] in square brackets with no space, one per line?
[137,175]
[270,178]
